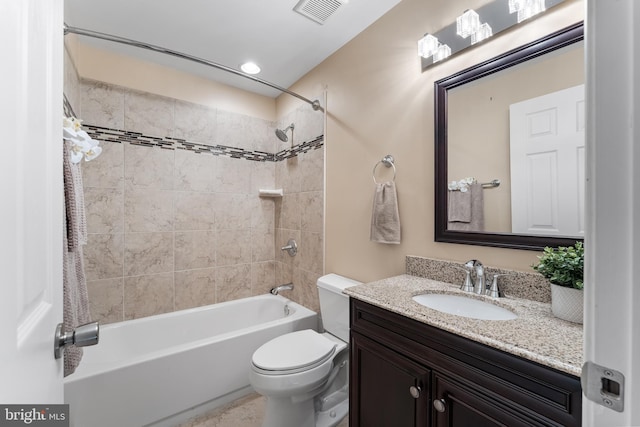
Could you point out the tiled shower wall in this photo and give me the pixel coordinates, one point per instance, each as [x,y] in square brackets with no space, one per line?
[171,229]
[299,216]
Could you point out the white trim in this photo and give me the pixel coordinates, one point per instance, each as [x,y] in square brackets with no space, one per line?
[612,241]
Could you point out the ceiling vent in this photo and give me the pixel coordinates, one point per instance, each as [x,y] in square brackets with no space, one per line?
[318,10]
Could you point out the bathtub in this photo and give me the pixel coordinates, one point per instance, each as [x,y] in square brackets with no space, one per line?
[162,370]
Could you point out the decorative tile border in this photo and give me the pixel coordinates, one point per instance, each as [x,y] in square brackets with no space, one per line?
[532,286]
[169,143]
[305,147]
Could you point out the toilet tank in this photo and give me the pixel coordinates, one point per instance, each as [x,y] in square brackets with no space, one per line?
[334,305]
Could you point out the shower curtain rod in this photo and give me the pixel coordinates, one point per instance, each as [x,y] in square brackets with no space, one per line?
[67,29]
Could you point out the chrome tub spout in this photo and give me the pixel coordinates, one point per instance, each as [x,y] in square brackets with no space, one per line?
[276,290]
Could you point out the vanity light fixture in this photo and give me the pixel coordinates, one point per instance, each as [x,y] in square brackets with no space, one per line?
[484,32]
[250,68]
[526,8]
[467,23]
[474,26]
[428,45]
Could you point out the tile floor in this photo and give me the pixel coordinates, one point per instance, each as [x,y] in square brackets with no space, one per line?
[244,412]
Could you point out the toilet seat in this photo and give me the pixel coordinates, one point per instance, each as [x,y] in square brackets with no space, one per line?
[293,352]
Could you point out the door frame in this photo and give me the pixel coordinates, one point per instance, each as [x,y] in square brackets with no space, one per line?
[612,240]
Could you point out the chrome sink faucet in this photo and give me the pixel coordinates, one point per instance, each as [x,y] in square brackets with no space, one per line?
[479,285]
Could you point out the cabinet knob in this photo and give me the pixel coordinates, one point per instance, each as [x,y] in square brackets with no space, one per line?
[415,391]
[440,405]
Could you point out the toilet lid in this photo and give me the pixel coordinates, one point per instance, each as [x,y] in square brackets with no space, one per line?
[295,350]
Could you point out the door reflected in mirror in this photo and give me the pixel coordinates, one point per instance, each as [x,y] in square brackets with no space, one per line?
[518,118]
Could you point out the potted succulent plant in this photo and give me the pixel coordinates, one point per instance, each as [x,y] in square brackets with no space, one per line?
[564,268]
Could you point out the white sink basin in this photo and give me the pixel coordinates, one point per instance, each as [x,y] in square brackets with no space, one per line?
[464,306]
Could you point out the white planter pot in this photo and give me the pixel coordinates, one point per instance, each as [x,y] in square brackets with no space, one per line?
[567,303]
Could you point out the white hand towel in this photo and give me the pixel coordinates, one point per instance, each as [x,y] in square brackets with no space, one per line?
[385,219]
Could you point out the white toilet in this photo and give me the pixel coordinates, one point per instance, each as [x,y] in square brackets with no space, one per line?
[304,374]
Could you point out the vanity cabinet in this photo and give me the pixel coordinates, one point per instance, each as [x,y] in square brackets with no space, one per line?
[407,373]
[394,388]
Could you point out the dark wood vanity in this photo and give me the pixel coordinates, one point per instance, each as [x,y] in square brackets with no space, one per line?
[407,373]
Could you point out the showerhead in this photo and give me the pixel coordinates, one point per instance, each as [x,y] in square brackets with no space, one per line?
[282,134]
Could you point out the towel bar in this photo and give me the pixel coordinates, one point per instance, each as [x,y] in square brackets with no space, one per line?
[389,162]
[491,184]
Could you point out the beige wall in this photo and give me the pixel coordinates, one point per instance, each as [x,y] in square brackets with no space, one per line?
[379,102]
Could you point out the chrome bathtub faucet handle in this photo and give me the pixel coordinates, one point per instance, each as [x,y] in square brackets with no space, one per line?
[291,247]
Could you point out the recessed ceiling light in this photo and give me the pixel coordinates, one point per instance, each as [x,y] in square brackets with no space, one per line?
[250,68]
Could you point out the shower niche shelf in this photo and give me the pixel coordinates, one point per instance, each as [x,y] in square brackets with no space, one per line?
[271,193]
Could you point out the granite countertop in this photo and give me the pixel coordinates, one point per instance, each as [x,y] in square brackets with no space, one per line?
[535,335]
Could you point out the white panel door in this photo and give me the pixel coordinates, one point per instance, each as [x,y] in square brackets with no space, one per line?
[547,164]
[32,200]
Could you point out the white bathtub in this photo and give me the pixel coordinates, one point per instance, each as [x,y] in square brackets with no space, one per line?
[164,369]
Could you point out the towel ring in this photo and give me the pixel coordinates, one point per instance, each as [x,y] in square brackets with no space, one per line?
[389,162]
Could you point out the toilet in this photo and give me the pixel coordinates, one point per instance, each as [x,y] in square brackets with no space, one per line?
[304,374]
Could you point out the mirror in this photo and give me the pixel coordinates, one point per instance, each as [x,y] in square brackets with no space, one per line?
[474,133]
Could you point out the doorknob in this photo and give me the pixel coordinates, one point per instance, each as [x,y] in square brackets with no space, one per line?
[82,336]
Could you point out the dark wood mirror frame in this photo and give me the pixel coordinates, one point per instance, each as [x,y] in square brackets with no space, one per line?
[557,40]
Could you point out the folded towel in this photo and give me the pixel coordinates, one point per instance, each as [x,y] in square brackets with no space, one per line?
[459,208]
[475,199]
[385,219]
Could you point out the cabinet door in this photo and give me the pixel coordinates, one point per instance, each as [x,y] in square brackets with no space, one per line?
[387,389]
[458,405]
